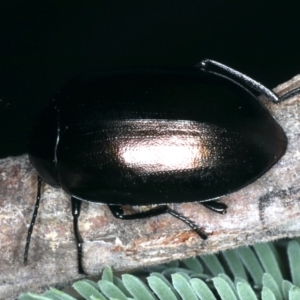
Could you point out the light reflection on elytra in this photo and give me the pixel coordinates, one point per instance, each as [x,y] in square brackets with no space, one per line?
[165,145]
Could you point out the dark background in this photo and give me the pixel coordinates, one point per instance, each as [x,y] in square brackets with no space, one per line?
[45,43]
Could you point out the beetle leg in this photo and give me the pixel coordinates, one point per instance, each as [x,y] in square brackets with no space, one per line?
[118,212]
[215,206]
[188,222]
[34,215]
[76,205]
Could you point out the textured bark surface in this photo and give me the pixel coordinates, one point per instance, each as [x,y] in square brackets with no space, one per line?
[266,210]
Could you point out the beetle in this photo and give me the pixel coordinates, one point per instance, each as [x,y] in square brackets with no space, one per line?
[148,136]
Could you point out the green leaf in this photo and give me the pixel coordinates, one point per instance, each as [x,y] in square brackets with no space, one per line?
[183,287]
[224,289]
[251,263]
[201,289]
[230,283]
[269,282]
[160,288]
[186,276]
[294,293]
[30,296]
[269,261]
[294,258]
[92,283]
[267,294]
[286,286]
[50,295]
[137,288]
[55,294]
[277,255]
[119,283]
[239,279]
[245,291]
[193,264]
[110,290]
[108,274]
[86,290]
[158,268]
[173,264]
[167,282]
[168,272]
[213,264]
[235,264]
[201,276]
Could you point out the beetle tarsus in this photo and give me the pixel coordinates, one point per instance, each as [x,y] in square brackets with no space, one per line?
[76,206]
[215,206]
[201,234]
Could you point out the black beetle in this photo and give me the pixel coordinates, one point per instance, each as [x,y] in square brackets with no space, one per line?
[155,136]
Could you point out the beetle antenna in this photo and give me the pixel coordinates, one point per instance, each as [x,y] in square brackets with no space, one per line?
[204,65]
[35,212]
[290,94]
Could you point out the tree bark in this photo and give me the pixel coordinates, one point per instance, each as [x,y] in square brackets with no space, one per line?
[266,210]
